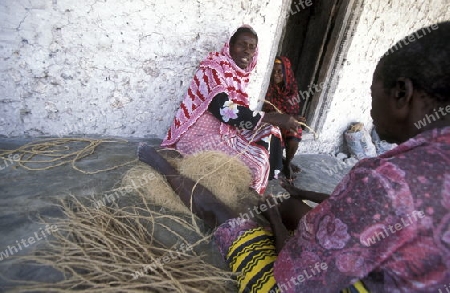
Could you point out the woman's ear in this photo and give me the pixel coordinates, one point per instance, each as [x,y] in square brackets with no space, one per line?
[403,91]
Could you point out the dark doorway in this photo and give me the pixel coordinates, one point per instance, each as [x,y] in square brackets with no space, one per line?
[315,39]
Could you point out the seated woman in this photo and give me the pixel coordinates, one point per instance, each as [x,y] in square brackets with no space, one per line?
[283,94]
[215,113]
[387,223]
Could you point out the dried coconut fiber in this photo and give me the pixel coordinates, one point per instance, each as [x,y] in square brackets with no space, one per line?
[117,249]
[225,176]
[112,249]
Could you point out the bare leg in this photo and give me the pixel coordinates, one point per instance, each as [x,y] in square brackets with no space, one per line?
[168,153]
[291,149]
[204,204]
[294,167]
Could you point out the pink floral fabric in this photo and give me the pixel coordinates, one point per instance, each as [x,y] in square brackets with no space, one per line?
[387,223]
[205,135]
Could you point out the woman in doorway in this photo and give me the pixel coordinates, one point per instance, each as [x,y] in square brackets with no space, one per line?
[283,94]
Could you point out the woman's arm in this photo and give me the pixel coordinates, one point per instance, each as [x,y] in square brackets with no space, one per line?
[280,231]
[242,117]
[233,114]
[284,121]
[304,194]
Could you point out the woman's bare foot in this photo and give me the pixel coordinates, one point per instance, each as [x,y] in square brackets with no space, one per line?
[295,168]
[288,172]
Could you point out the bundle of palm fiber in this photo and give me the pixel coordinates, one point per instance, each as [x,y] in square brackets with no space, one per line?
[225,176]
[112,249]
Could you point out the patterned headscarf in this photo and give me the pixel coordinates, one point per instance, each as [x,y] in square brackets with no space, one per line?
[218,73]
[285,95]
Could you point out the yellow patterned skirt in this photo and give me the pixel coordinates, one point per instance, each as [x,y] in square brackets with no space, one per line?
[253,255]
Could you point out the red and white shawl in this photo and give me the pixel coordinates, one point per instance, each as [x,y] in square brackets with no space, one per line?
[218,73]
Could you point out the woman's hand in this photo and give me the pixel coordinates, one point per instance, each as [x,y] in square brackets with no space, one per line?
[291,188]
[301,119]
[282,120]
[271,213]
[280,232]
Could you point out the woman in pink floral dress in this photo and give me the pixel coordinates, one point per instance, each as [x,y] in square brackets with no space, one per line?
[386,226]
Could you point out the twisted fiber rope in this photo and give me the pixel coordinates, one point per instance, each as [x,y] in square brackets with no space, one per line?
[57,152]
[300,123]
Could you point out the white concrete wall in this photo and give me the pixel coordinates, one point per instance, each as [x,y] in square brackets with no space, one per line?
[116,67]
[382,24]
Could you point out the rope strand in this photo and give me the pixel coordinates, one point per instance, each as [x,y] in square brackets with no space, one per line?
[300,123]
[57,152]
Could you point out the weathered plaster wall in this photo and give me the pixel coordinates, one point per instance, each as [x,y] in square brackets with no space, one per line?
[120,68]
[114,67]
[382,24]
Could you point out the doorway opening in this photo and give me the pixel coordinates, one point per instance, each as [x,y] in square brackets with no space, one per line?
[316,39]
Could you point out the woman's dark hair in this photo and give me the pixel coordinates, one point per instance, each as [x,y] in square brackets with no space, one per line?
[242,30]
[423,57]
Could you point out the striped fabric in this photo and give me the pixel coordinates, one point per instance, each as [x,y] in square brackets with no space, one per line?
[252,256]
[358,287]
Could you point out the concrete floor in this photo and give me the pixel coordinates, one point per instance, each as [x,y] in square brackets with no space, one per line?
[27,195]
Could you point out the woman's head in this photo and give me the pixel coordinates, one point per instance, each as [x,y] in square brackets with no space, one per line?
[243,45]
[411,80]
[277,72]
[282,81]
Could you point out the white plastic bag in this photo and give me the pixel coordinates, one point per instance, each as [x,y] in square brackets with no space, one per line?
[381,146]
[359,142]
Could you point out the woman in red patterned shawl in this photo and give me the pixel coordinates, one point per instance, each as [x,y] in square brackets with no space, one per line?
[283,94]
[215,114]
